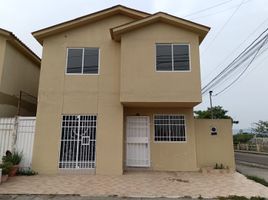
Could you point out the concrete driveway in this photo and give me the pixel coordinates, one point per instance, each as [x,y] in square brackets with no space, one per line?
[138,184]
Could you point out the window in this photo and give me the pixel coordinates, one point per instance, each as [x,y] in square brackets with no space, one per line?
[83,61]
[78,142]
[169,128]
[172,57]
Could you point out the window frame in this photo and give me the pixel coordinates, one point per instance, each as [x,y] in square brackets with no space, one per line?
[172,57]
[185,125]
[82,74]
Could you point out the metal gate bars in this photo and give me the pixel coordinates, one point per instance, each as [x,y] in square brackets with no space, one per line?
[78,142]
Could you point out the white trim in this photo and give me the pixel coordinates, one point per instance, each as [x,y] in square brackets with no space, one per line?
[175,142]
[149,142]
[177,71]
[81,74]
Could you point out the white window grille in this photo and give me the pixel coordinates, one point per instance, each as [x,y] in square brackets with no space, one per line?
[169,128]
[78,142]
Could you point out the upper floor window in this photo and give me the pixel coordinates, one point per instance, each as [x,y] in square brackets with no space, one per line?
[172,57]
[83,61]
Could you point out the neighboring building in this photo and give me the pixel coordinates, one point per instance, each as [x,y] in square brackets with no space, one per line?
[117,91]
[19,77]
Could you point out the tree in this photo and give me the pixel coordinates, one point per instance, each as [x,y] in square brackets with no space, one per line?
[218,113]
[242,138]
[260,127]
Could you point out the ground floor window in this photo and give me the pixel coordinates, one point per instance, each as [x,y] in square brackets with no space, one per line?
[169,128]
[78,141]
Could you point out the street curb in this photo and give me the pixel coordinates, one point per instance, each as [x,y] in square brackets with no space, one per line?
[252,152]
[251,164]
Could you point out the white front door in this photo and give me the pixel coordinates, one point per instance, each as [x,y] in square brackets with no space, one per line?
[137,141]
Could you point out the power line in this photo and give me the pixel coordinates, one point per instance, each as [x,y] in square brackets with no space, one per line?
[234,81]
[246,39]
[208,8]
[236,59]
[228,20]
[236,63]
[218,12]
[252,51]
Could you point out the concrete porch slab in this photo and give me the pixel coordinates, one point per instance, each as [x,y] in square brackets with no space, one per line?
[138,184]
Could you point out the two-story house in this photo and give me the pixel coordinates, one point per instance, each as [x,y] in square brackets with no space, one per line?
[19,77]
[117,91]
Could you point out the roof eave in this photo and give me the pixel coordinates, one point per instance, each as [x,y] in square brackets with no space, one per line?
[23,48]
[26,51]
[93,17]
[197,28]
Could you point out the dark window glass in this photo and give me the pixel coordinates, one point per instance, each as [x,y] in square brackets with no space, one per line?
[181,57]
[91,61]
[163,58]
[74,61]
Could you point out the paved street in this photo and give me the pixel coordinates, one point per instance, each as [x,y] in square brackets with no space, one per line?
[253,171]
[245,160]
[252,158]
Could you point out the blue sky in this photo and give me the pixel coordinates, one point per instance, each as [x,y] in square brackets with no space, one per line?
[247,100]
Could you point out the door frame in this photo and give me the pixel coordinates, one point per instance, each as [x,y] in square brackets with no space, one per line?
[148,144]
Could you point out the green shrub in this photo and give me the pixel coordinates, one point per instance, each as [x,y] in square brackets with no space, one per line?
[242,137]
[26,172]
[234,197]
[217,166]
[6,167]
[258,180]
[14,158]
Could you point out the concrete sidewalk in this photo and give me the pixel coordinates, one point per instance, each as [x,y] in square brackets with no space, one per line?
[138,184]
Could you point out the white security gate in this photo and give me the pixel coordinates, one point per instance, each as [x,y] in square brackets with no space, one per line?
[25,139]
[7,130]
[18,134]
[78,142]
[137,141]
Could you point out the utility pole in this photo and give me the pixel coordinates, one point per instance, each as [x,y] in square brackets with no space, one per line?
[211,108]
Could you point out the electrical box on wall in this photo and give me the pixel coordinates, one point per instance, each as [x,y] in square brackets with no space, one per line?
[213,130]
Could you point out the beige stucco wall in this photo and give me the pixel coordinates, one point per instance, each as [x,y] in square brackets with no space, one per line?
[170,156]
[80,94]
[212,149]
[139,80]
[127,75]
[17,73]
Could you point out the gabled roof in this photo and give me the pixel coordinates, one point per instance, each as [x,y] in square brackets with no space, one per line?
[201,30]
[18,44]
[119,9]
